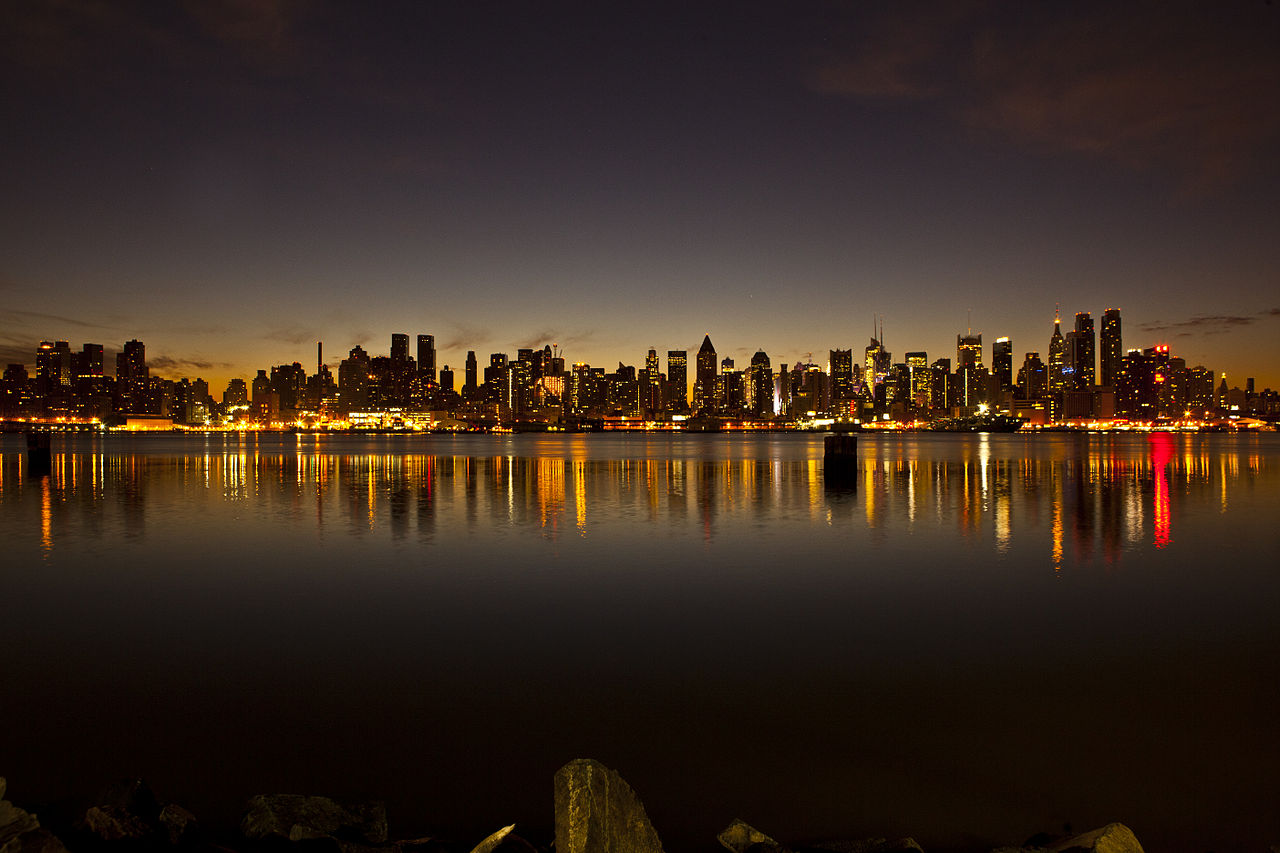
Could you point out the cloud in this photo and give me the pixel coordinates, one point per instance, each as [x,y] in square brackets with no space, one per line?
[1202,324]
[1179,90]
[12,317]
[463,336]
[169,363]
[295,334]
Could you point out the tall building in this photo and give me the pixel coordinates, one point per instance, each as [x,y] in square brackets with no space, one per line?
[1002,363]
[1079,360]
[399,347]
[132,379]
[53,367]
[840,368]
[968,350]
[759,386]
[1112,351]
[1057,353]
[921,379]
[427,356]
[469,383]
[1032,377]
[678,380]
[704,382]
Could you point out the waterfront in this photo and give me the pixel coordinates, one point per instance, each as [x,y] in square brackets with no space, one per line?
[987,634]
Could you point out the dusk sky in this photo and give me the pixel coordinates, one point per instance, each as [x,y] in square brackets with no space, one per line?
[232,181]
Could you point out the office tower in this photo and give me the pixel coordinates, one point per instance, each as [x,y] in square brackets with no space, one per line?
[1002,363]
[53,366]
[921,379]
[261,386]
[759,388]
[471,370]
[1078,362]
[678,380]
[704,383]
[427,356]
[1057,353]
[353,380]
[88,362]
[399,347]
[446,378]
[1032,377]
[968,350]
[1112,351]
[132,379]
[840,368]
[236,395]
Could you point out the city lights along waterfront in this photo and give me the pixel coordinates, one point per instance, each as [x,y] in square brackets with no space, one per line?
[1085,378]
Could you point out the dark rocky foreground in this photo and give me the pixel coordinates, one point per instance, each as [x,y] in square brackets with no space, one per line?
[595,812]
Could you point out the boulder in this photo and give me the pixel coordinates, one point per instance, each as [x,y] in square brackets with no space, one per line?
[1112,838]
[112,823]
[597,812]
[20,831]
[133,796]
[741,837]
[178,823]
[297,817]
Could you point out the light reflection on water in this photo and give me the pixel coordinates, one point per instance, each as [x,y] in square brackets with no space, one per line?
[955,638]
[1100,495]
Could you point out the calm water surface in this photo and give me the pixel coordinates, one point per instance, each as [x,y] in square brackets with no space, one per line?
[990,635]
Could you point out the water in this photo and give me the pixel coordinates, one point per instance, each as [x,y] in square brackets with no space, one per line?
[974,639]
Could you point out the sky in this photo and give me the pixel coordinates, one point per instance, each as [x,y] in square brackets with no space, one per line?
[232,181]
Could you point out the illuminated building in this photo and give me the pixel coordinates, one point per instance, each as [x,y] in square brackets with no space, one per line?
[968,350]
[354,375]
[840,367]
[704,382]
[1079,360]
[427,356]
[759,386]
[921,379]
[236,395]
[1112,352]
[1002,363]
[1057,352]
[53,367]
[1199,390]
[446,378]
[133,380]
[678,380]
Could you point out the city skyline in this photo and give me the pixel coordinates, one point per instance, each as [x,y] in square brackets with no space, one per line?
[232,183]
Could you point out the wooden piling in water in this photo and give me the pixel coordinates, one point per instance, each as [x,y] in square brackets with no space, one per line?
[840,458]
[39,455]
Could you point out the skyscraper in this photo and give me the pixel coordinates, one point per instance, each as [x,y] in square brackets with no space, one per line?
[399,347]
[1079,360]
[1111,346]
[469,383]
[921,379]
[678,380]
[427,356]
[704,383]
[1057,351]
[1002,362]
[968,350]
[840,368]
[760,385]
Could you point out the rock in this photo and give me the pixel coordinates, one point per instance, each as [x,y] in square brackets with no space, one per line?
[741,837]
[133,796]
[492,841]
[178,823]
[597,812]
[112,823]
[20,831]
[1112,838]
[296,817]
